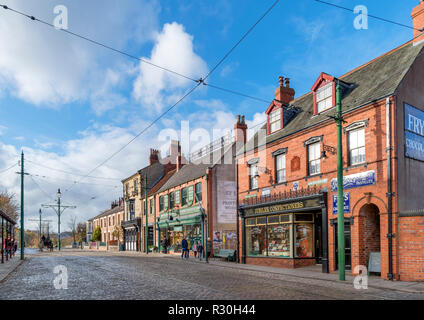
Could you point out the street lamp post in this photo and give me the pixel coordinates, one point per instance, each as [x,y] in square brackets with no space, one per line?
[58,220]
[340,198]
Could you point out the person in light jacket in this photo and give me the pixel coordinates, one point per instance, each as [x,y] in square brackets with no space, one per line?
[194,248]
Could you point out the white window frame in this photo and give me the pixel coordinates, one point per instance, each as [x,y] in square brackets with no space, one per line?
[275,120]
[314,158]
[324,97]
[281,157]
[253,176]
[356,146]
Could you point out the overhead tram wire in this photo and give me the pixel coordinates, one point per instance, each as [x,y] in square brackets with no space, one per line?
[9,168]
[70,173]
[369,15]
[199,82]
[141,59]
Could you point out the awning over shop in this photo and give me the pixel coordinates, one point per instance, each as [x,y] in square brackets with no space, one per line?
[184,216]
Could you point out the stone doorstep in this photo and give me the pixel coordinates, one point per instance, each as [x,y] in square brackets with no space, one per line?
[373,281]
[8,267]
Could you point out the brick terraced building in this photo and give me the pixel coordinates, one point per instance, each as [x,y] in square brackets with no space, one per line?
[287,173]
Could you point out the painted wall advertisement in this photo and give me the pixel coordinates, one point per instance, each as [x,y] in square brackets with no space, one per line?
[414,132]
[227,201]
[355,180]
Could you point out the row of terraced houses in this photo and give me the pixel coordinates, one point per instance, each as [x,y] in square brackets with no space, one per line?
[272,198]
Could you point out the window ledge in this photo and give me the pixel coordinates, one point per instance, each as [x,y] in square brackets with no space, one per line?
[313,176]
[363,164]
[279,184]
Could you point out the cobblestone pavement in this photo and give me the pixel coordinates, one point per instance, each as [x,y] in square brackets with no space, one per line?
[96,275]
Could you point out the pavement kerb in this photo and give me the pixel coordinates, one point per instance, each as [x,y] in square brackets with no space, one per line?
[11,270]
[348,282]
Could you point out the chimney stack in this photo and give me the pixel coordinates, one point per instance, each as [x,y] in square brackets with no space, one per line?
[418,22]
[240,129]
[154,156]
[284,93]
[179,157]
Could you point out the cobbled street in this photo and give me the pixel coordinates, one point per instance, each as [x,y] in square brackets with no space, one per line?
[95,275]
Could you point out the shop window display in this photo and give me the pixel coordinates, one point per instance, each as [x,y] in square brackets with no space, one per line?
[256,240]
[304,240]
[279,240]
[280,236]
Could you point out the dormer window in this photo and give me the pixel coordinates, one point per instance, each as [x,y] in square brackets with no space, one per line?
[325,98]
[324,91]
[275,120]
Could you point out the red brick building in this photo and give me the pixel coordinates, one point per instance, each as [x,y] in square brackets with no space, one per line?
[287,179]
[199,200]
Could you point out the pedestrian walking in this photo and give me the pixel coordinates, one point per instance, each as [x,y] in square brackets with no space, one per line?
[184,247]
[200,250]
[194,248]
[165,244]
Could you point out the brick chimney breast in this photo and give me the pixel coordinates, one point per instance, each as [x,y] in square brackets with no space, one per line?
[284,93]
[154,156]
[418,22]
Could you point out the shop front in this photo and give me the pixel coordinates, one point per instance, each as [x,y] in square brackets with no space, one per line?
[285,232]
[175,225]
[131,234]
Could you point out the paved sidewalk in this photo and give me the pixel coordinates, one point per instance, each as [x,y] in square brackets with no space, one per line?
[8,266]
[316,274]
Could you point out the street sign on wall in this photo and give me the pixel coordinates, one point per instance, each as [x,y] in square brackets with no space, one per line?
[414,132]
[346,203]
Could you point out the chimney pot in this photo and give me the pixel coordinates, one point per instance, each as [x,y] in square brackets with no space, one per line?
[284,94]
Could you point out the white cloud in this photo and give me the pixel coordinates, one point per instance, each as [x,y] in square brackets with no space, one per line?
[173,50]
[46,67]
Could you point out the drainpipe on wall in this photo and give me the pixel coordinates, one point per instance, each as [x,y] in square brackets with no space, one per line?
[389,193]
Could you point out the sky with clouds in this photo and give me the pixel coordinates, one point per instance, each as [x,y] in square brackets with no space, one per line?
[70,104]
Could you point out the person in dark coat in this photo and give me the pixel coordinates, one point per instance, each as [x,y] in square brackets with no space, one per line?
[184,245]
[165,245]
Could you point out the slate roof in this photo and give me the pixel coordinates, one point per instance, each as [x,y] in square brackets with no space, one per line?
[192,171]
[372,81]
[108,212]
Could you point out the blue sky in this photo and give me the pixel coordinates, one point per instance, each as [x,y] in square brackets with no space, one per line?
[69,104]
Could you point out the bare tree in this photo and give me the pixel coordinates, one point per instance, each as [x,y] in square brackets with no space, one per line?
[9,205]
[72,224]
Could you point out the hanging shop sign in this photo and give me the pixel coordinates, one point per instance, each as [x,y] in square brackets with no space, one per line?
[355,180]
[414,132]
[346,203]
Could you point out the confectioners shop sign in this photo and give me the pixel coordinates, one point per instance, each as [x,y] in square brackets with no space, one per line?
[283,207]
[414,133]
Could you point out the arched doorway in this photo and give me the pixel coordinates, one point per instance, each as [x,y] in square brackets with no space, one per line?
[369,231]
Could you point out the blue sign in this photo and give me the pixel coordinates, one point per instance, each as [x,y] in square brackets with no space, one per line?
[355,180]
[346,203]
[414,133]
